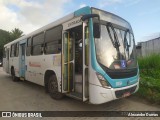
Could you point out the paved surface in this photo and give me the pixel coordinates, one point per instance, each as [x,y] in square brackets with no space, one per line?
[26,96]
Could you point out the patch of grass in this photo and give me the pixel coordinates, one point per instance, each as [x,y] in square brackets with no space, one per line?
[152,61]
[150,78]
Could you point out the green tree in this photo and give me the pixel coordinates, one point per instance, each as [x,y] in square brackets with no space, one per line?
[16,33]
[4,38]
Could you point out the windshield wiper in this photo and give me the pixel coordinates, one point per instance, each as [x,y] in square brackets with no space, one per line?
[126,45]
[114,39]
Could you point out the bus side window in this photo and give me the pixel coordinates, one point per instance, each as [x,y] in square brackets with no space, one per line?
[12,50]
[37,48]
[53,40]
[28,47]
[16,52]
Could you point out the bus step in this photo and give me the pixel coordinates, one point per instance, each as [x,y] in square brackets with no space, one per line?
[21,78]
[75,95]
[78,87]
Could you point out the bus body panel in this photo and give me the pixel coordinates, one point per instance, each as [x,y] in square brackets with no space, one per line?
[6,59]
[14,62]
[57,71]
[104,95]
[38,65]
[55,66]
[35,68]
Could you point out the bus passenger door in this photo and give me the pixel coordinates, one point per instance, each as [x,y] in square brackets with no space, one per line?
[74,60]
[85,61]
[67,61]
[22,61]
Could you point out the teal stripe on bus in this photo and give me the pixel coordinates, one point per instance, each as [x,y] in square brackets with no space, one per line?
[83,11]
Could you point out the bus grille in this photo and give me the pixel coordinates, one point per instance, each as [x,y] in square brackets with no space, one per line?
[120,73]
[120,93]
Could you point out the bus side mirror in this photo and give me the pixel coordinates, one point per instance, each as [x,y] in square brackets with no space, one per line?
[96,30]
[96,26]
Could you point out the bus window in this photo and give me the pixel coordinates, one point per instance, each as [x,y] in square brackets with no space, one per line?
[68,46]
[28,48]
[12,50]
[37,48]
[16,49]
[53,40]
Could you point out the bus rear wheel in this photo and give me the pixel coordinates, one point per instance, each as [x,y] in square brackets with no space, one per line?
[53,88]
[14,78]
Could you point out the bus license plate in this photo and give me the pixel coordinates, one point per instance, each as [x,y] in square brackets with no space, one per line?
[126,94]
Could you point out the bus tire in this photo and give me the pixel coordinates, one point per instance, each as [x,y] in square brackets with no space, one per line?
[14,78]
[53,88]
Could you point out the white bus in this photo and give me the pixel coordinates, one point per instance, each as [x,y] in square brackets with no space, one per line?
[88,55]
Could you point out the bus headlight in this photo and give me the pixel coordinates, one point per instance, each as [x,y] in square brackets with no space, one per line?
[102,80]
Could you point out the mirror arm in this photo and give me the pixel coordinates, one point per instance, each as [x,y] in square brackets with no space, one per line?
[87,16]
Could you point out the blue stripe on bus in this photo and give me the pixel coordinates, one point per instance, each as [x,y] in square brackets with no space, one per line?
[83,11]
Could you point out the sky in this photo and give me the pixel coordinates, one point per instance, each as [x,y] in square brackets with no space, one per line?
[29,15]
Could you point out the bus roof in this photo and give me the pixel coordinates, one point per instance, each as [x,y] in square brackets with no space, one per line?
[84,10]
[81,11]
[46,27]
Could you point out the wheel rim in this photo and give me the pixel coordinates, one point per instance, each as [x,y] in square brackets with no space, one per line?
[13,75]
[53,86]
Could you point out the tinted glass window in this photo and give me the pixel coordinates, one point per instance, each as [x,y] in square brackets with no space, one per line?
[53,47]
[37,48]
[53,40]
[28,51]
[38,39]
[23,49]
[53,34]
[12,51]
[16,49]
[29,41]
[28,48]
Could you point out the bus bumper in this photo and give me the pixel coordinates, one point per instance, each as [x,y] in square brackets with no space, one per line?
[99,95]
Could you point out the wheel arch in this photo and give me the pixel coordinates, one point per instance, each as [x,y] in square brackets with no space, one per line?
[47,75]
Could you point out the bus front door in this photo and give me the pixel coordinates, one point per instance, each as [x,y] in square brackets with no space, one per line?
[74,70]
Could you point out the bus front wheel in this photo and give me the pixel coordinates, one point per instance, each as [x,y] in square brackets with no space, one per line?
[53,88]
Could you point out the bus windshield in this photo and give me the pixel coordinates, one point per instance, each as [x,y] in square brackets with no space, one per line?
[115,49]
